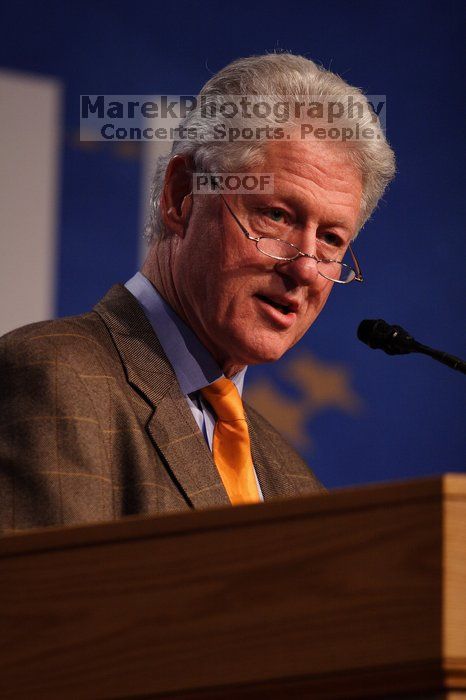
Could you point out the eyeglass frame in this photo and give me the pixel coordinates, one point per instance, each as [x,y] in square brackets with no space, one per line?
[299,253]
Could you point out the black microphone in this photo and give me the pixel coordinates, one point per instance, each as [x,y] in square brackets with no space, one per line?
[394,340]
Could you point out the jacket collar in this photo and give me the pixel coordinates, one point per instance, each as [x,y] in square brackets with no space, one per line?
[146,365]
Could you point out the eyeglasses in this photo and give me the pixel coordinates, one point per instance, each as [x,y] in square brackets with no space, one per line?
[276,248]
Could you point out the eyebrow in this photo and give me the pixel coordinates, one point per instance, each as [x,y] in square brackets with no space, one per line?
[302,205]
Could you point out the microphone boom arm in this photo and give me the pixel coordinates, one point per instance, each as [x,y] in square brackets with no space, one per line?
[443,357]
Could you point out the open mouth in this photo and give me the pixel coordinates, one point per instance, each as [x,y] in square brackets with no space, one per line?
[281,307]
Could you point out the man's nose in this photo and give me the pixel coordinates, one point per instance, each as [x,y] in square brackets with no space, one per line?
[302,270]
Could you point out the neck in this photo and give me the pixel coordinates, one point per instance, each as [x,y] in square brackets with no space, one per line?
[229,370]
[158,274]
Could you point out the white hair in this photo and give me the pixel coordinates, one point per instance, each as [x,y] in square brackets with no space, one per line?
[277,75]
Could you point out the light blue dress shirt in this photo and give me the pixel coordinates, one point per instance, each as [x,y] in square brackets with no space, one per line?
[193,365]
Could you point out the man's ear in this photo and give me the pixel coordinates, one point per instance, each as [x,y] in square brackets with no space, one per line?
[176,201]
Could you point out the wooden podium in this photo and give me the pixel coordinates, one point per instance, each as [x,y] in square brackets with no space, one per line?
[360,593]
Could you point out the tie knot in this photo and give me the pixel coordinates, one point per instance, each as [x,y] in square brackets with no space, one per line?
[224,398]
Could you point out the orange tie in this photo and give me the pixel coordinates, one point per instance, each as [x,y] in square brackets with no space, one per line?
[231,446]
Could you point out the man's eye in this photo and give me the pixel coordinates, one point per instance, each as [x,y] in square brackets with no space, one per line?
[276,215]
[331,239]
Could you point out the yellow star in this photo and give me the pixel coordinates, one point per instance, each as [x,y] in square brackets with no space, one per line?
[320,386]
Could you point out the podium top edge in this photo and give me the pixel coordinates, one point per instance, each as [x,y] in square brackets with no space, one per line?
[439,488]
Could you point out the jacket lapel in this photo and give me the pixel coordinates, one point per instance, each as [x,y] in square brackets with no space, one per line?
[187,456]
[272,476]
[171,427]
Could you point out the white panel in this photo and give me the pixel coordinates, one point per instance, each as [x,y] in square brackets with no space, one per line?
[29,157]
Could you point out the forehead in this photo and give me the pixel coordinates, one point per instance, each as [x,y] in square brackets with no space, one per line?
[310,170]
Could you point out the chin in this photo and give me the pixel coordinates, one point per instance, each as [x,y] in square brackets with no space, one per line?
[264,354]
[250,350]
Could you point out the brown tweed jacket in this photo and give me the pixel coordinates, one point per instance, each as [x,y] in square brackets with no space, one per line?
[93,426]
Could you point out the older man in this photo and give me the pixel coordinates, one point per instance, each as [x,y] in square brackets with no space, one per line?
[136,406]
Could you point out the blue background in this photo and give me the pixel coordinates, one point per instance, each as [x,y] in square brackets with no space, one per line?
[412,252]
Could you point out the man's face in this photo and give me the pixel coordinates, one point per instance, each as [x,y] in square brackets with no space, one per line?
[248,308]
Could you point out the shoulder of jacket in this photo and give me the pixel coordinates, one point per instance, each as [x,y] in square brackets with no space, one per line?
[78,338]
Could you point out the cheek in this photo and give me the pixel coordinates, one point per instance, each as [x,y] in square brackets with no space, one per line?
[234,279]
[325,293]
[316,303]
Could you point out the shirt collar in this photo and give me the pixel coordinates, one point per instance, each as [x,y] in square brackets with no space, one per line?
[192,363]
